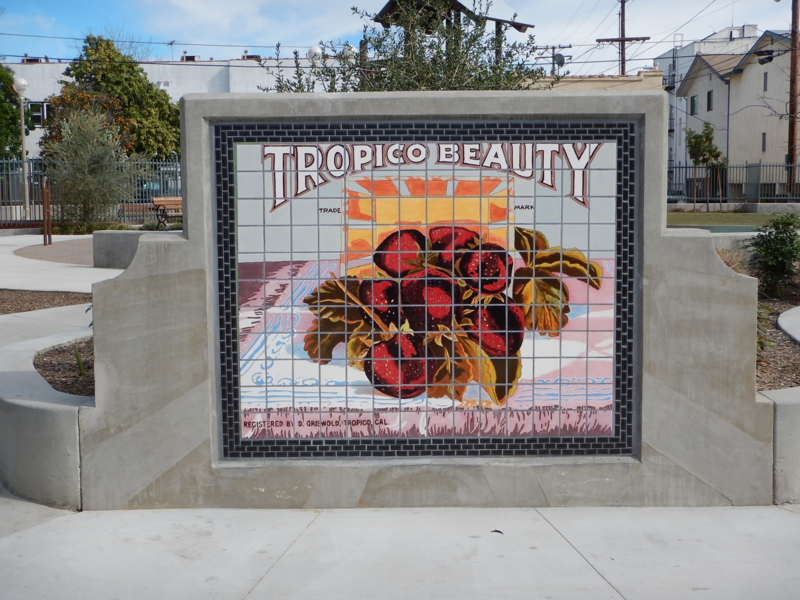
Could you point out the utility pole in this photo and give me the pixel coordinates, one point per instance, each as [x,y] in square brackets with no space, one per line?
[793,98]
[622,40]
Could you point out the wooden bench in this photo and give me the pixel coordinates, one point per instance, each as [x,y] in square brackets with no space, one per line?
[168,207]
[165,208]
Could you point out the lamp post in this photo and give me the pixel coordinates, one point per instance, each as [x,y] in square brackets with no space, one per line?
[20,85]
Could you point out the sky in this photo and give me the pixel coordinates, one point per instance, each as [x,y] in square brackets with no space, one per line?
[210,28]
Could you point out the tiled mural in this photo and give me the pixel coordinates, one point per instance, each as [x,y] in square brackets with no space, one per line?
[419,295]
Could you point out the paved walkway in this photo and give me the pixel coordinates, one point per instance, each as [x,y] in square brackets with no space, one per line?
[21,273]
[487,554]
[589,553]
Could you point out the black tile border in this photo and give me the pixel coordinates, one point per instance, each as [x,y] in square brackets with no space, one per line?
[506,129]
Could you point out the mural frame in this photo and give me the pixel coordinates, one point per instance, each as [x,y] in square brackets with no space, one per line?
[622,132]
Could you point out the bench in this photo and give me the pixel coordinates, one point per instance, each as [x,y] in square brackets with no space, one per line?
[170,207]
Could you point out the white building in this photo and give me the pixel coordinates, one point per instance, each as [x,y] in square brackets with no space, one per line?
[676,63]
[745,97]
[189,75]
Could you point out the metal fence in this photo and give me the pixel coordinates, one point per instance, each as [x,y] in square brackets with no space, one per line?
[734,183]
[162,178]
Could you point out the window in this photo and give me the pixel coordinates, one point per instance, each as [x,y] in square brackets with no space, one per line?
[766,81]
[710,100]
[764,142]
[38,113]
[693,105]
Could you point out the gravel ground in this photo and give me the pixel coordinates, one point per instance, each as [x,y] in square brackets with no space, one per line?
[778,364]
[59,367]
[16,301]
[75,252]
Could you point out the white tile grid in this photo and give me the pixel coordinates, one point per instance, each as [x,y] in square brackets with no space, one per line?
[564,223]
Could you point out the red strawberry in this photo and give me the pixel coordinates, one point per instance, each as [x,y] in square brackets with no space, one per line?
[499,327]
[446,240]
[382,296]
[429,299]
[486,269]
[394,254]
[400,367]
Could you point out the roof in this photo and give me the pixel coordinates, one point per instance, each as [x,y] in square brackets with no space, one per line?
[773,36]
[721,65]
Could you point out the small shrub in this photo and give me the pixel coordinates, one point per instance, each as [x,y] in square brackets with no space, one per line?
[735,260]
[775,252]
[149,226]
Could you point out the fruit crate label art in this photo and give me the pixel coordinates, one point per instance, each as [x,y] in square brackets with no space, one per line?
[423,290]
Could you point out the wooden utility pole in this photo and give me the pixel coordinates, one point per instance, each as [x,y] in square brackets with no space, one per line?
[622,40]
[793,99]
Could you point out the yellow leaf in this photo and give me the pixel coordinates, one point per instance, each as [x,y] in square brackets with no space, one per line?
[453,373]
[572,263]
[551,305]
[358,345]
[497,376]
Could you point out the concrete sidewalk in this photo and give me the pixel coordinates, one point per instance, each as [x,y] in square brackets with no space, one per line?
[19,273]
[587,553]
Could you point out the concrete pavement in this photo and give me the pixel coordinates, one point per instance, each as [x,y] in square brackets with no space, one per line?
[582,553]
[588,553]
[19,273]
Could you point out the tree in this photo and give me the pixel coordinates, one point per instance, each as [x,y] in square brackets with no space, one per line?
[425,46]
[90,168]
[9,116]
[106,79]
[704,152]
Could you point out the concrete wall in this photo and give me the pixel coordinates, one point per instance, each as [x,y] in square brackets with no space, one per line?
[152,438]
[116,249]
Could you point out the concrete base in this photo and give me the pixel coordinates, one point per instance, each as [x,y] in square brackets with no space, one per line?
[39,438]
[761,208]
[115,249]
[787,444]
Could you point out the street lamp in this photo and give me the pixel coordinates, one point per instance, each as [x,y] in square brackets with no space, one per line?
[20,85]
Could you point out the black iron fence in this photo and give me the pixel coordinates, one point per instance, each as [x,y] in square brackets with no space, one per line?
[734,183]
[161,178]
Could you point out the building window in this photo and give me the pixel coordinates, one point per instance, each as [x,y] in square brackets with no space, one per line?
[38,113]
[710,100]
[766,81]
[693,105]
[764,142]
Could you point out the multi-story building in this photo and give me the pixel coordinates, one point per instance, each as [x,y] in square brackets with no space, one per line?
[188,75]
[676,63]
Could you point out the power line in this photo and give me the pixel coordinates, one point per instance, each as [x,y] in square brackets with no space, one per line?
[151,43]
